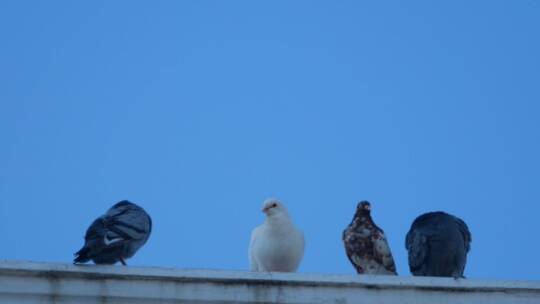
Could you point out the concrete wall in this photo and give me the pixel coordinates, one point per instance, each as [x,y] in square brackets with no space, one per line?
[28,282]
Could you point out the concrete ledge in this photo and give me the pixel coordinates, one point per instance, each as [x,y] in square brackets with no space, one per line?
[29,282]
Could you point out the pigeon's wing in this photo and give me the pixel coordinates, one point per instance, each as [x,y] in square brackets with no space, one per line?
[131,223]
[253,264]
[382,252]
[461,260]
[418,249]
[352,249]
[96,231]
[465,233]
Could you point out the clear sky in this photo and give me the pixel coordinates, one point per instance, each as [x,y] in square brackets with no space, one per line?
[200,110]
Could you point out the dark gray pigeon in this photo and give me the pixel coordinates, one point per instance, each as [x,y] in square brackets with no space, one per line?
[366,245]
[438,244]
[116,235]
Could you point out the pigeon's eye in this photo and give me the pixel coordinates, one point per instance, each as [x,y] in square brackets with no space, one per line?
[274,205]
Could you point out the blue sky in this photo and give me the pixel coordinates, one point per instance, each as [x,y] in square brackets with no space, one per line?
[199,110]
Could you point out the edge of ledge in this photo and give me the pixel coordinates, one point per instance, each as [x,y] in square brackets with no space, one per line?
[57,270]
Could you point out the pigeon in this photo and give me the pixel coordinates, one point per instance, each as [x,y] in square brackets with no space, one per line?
[276,245]
[366,245]
[438,244]
[116,235]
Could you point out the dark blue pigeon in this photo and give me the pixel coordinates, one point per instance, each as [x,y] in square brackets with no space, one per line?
[116,235]
[438,244]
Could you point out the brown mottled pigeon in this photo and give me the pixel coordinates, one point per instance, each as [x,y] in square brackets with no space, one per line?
[366,245]
[116,235]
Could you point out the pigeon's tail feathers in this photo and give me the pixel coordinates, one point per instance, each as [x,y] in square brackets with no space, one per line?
[93,241]
[81,256]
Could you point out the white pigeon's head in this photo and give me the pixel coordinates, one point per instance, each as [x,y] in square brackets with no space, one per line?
[273,206]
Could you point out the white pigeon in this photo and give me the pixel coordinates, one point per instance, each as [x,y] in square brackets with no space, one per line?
[276,245]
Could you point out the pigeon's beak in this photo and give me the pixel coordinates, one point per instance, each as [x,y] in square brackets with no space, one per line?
[264,209]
